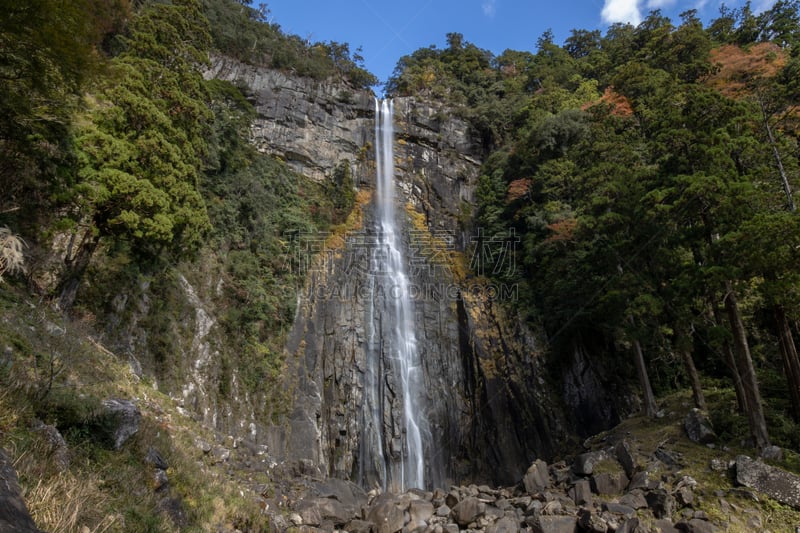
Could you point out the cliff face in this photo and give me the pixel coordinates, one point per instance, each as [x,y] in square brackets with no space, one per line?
[313,125]
[490,409]
[488,406]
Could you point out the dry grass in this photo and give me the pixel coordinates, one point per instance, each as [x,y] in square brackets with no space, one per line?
[101,490]
[59,501]
[8,415]
[64,503]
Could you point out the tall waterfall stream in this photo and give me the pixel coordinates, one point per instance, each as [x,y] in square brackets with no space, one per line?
[395,430]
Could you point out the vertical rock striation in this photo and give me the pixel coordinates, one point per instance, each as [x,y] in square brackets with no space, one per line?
[486,400]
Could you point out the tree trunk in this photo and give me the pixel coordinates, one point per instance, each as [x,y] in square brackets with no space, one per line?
[787,188]
[649,399]
[76,264]
[755,411]
[791,362]
[730,361]
[683,344]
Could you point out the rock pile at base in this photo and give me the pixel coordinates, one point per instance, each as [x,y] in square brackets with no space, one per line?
[600,491]
[615,488]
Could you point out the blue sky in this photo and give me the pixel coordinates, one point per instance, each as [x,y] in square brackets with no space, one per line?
[389,29]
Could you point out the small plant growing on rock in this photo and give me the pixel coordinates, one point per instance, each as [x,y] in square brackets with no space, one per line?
[11,256]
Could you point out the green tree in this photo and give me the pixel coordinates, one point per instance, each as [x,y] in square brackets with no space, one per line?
[47,51]
[142,151]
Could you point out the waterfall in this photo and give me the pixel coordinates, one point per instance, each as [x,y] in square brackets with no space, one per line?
[394,430]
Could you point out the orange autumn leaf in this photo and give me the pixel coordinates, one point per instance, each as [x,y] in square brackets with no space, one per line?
[618,104]
[517,189]
[563,230]
[738,66]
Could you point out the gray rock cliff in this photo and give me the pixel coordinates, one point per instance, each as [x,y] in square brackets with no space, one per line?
[489,408]
[492,410]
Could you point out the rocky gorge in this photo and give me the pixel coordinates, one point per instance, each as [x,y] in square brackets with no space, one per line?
[631,478]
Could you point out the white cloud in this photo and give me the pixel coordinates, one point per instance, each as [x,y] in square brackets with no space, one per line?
[631,11]
[659,4]
[621,11]
[763,5]
[489,8]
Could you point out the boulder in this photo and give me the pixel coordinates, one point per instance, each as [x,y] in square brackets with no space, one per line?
[585,462]
[121,418]
[504,525]
[774,482]
[310,515]
[315,511]
[554,524]
[443,510]
[620,509]
[421,512]
[695,525]
[669,458]
[772,453]
[351,497]
[640,480]
[537,478]
[591,523]
[609,483]
[160,480]
[698,427]
[386,516]
[661,503]
[56,447]
[202,445]
[452,498]
[581,492]
[624,454]
[634,499]
[522,502]
[467,510]
[684,496]
[155,459]
[14,515]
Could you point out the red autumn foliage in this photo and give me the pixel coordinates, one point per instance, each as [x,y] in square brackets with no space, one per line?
[563,230]
[617,103]
[738,66]
[517,189]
